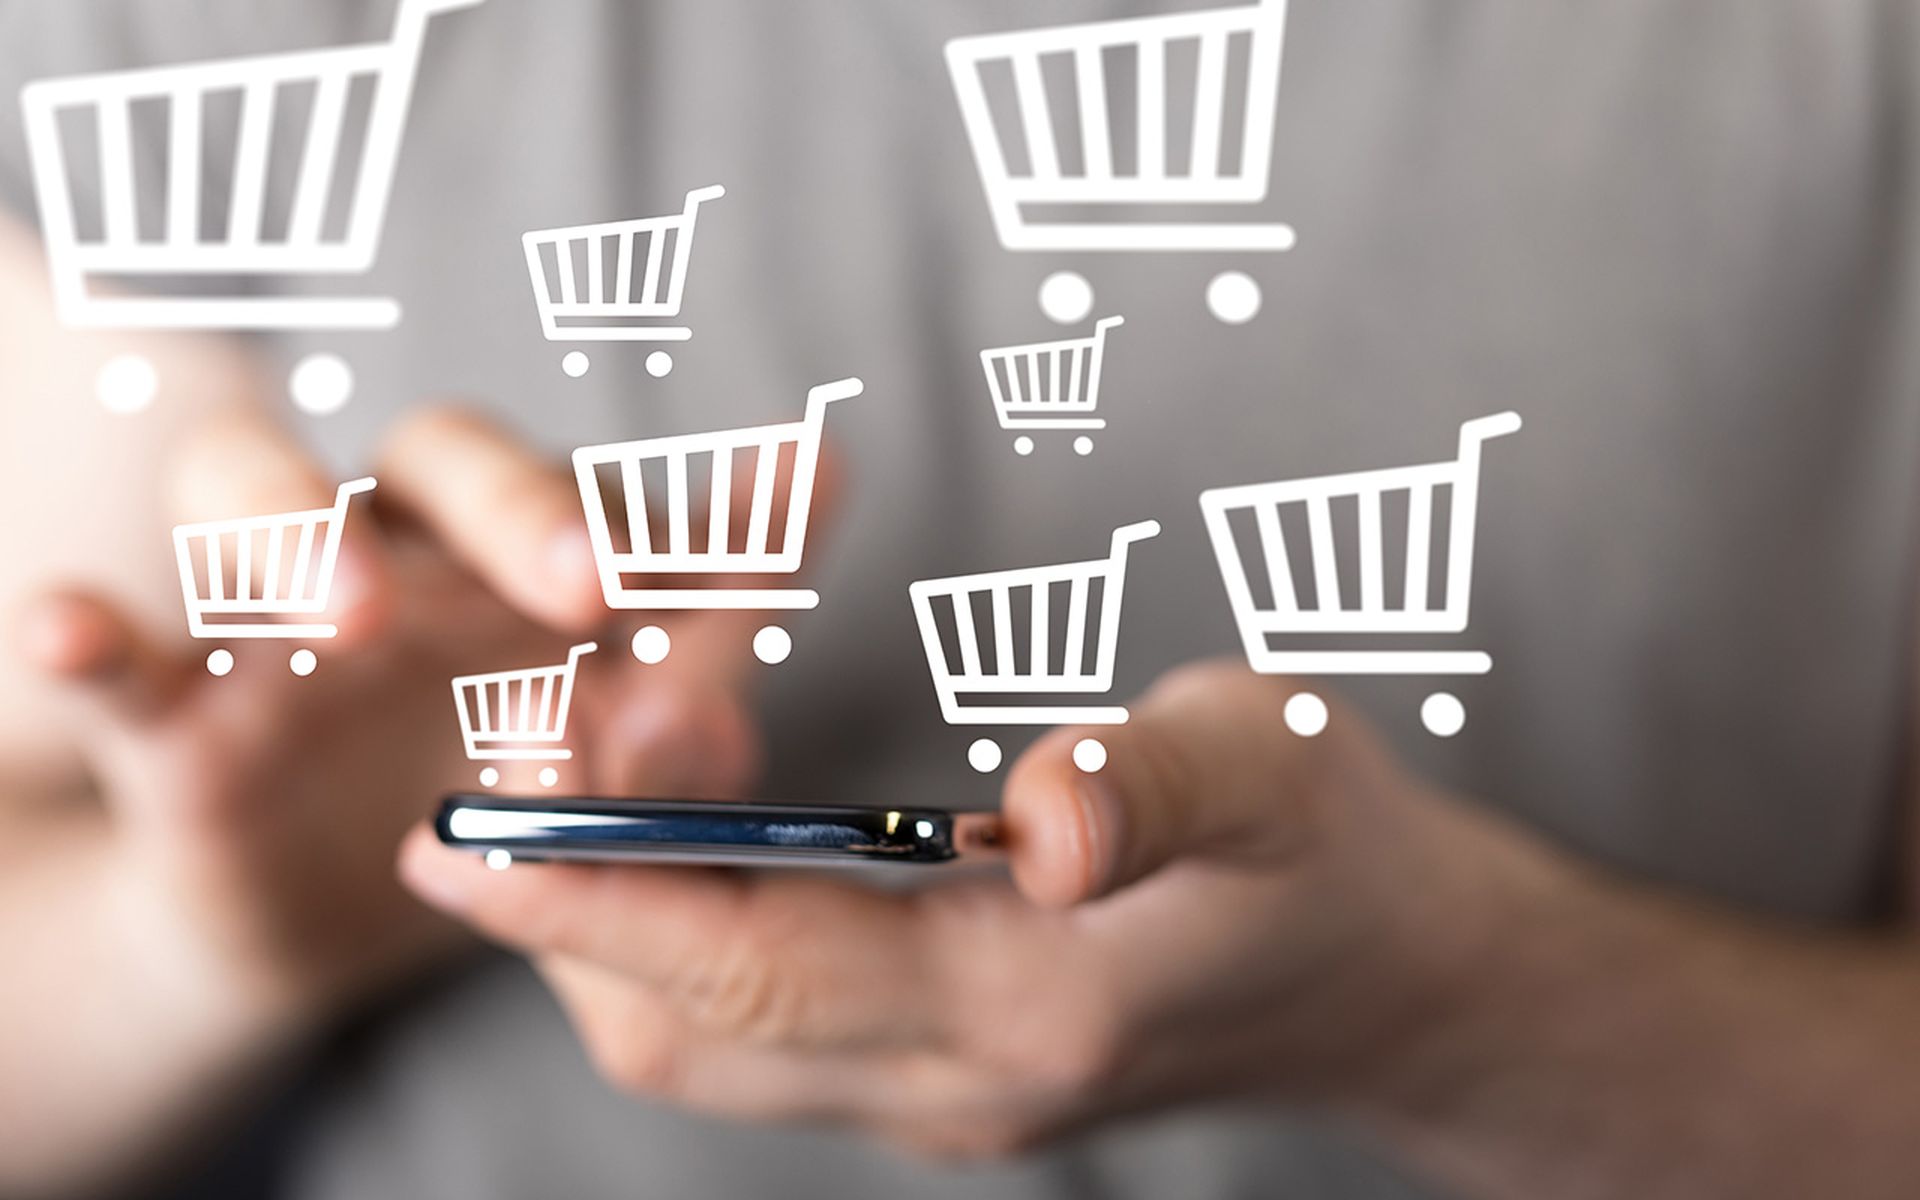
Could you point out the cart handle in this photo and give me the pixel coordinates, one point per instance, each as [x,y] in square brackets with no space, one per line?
[352,488]
[575,653]
[1106,323]
[820,396]
[699,196]
[1127,535]
[1482,429]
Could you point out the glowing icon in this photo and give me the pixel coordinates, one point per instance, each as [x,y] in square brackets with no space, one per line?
[1066,169]
[1281,553]
[238,577]
[621,281]
[1049,386]
[1030,646]
[639,497]
[337,113]
[518,716]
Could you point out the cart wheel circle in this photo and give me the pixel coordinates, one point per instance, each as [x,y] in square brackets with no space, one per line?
[1443,714]
[651,644]
[498,859]
[489,776]
[1023,445]
[574,363]
[302,662]
[772,645]
[126,384]
[320,384]
[984,755]
[1066,297]
[1306,714]
[1090,754]
[659,363]
[220,662]
[1083,445]
[549,776]
[1233,297]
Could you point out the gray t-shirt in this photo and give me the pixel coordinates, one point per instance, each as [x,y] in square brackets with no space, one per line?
[1677,236]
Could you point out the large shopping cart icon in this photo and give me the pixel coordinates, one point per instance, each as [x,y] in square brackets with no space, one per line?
[518,716]
[1028,646]
[1282,557]
[1070,162]
[245,578]
[655,551]
[1049,386]
[354,100]
[619,281]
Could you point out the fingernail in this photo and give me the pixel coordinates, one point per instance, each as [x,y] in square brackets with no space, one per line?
[571,563]
[1103,819]
[665,750]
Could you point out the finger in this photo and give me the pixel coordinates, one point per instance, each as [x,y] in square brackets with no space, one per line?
[643,1045]
[242,466]
[87,643]
[1204,766]
[510,516]
[668,738]
[773,961]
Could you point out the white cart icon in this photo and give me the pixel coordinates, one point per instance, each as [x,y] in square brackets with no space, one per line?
[1053,150]
[620,281]
[1283,585]
[355,96]
[1065,658]
[1049,386]
[238,576]
[638,499]
[518,716]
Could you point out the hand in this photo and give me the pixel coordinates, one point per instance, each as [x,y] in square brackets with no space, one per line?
[1226,909]
[251,820]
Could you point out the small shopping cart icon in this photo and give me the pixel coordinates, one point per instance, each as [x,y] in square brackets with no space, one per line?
[1028,646]
[245,578]
[1070,161]
[1049,386]
[336,114]
[653,549]
[1283,557]
[620,281]
[518,716]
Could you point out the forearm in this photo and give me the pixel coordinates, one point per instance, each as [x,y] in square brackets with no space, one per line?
[116,1046]
[1616,1041]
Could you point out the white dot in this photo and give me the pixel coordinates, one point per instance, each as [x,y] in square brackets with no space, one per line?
[549,776]
[923,828]
[1443,714]
[303,662]
[1306,714]
[659,363]
[1089,754]
[772,645]
[1023,445]
[984,755]
[498,859]
[220,661]
[1066,297]
[489,776]
[650,644]
[1083,445]
[574,363]
[321,384]
[126,384]
[1233,297]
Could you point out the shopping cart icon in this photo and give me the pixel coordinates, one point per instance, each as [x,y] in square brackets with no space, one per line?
[1049,386]
[638,497]
[354,98]
[620,281]
[1045,658]
[238,576]
[518,716]
[1281,560]
[1070,163]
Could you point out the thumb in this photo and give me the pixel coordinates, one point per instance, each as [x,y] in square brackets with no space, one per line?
[96,651]
[1205,767]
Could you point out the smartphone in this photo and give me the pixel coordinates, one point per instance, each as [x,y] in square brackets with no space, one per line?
[596,829]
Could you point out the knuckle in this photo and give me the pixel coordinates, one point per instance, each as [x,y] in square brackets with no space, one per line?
[1087,1057]
[636,1063]
[745,992]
